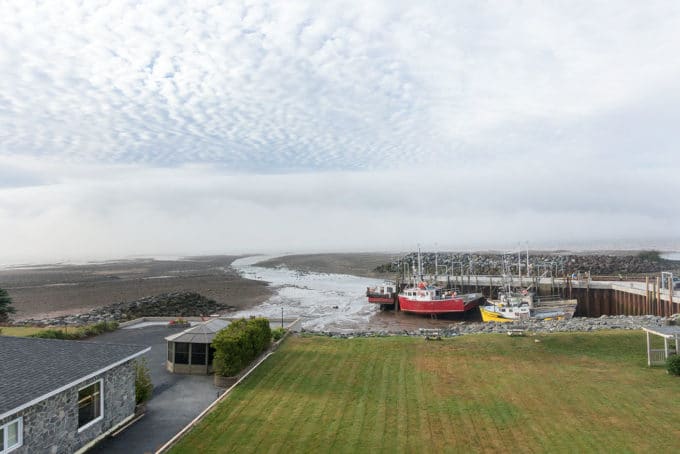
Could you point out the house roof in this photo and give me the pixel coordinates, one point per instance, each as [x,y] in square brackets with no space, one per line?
[33,369]
[202,333]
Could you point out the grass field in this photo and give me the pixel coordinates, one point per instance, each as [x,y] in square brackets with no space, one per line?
[582,392]
[22,330]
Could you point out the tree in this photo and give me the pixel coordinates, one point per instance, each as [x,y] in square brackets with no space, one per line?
[5,306]
[143,384]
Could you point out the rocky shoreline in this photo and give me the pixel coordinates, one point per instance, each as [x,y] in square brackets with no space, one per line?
[176,304]
[555,263]
[576,324]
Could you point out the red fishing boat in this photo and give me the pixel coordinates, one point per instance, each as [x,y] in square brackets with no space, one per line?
[382,294]
[430,299]
[423,298]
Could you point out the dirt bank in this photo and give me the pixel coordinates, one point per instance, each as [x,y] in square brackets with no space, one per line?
[67,289]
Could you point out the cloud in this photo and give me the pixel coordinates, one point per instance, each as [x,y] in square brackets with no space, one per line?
[130,127]
[269,86]
[193,209]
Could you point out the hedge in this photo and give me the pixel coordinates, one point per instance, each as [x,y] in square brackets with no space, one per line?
[240,343]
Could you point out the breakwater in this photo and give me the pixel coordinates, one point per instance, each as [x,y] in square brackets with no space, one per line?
[554,263]
[176,304]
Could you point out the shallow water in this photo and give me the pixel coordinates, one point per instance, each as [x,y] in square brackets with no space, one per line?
[329,302]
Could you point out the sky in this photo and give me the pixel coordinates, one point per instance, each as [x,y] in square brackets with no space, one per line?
[178,128]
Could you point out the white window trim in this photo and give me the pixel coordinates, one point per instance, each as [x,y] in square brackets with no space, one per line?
[20,435]
[101,404]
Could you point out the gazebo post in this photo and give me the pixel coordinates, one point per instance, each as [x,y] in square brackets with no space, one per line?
[665,346]
[649,350]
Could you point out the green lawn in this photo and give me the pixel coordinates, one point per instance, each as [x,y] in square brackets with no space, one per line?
[485,393]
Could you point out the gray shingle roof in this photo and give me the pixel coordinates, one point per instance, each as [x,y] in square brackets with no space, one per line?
[202,333]
[31,368]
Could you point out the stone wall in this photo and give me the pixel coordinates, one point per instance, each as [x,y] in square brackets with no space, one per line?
[51,426]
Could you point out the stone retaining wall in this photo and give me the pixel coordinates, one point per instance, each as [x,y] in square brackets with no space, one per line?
[576,324]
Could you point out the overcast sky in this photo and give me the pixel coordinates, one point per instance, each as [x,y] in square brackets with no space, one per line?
[164,127]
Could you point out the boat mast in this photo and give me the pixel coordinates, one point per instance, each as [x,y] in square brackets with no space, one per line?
[420,265]
[519,264]
[527,258]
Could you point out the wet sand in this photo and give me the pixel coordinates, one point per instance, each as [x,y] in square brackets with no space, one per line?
[54,290]
[356,264]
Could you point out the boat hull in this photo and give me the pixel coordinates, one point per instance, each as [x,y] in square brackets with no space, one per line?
[491,316]
[440,306]
[382,299]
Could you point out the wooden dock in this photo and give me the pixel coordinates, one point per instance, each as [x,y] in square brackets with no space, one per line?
[597,295]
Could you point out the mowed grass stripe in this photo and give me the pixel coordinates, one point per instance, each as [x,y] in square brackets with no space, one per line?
[577,392]
[310,436]
[253,430]
[293,399]
[349,368]
[364,405]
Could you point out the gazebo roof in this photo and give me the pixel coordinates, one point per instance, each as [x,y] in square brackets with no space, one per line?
[202,333]
[664,331]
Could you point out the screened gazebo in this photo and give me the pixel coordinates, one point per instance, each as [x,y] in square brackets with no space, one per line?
[656,356]
[189,352]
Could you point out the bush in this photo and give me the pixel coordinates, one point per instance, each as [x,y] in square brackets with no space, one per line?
[673,365]
[77,333]
[652,256]
[53,333]
[239,343]
[278,333]
[143,384]
[5,306]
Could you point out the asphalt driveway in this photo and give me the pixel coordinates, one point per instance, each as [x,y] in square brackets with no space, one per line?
[176,400]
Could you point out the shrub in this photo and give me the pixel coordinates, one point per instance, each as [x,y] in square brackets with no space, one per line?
[239,343]
[652,256]
[5,306]
[143,384]
[278,333]
[673,365]
[53,333]
[77,333]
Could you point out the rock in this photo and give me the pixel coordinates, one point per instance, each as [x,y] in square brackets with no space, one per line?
[177,304]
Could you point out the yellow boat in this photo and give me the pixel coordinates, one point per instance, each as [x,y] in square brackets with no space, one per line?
[503,313]
[491,316]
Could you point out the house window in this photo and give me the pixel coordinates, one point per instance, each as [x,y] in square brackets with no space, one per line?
[181,353]
[198,354]
[11,436]
[90,404]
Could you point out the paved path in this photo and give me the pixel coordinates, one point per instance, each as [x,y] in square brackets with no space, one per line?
[176,400]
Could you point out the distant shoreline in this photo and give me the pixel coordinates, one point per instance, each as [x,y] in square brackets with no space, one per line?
[48,291]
